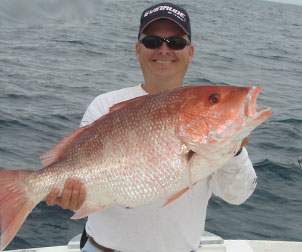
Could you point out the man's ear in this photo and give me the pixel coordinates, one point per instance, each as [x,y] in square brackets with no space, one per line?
[191,52]
[137,50]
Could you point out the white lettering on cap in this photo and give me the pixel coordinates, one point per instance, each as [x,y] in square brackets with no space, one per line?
[170,10]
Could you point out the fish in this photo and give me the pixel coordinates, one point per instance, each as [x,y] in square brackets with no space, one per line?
[156,146]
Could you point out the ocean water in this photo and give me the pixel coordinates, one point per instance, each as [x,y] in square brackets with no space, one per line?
[56,56]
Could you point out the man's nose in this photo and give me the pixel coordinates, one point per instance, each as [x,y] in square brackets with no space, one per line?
[164,48]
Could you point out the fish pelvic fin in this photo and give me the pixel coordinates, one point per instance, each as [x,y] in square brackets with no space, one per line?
[176,196]
[85,210]
[15,205]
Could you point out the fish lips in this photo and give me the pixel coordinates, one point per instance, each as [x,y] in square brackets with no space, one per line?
[254,113]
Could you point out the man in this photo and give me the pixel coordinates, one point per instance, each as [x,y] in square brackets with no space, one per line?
[164,52]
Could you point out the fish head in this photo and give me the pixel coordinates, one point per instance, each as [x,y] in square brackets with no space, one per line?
[215,114]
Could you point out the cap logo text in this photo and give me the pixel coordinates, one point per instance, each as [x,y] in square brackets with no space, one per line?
[170,10]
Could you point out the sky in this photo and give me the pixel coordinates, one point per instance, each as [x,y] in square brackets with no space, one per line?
[298,2]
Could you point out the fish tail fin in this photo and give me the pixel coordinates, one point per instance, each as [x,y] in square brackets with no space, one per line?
[15,205]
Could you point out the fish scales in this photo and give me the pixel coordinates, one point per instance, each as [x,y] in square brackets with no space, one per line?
[147,135]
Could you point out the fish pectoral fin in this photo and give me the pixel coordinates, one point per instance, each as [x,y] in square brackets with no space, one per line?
[176,196]
[85,210]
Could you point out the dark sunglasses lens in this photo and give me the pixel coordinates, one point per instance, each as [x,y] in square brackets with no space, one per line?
[177,43]
[151,42]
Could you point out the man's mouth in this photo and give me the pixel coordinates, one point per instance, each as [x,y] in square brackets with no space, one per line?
[163,61]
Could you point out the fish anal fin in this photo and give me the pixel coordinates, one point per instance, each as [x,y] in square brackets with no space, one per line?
[85,210]
[175,196]
[128,103]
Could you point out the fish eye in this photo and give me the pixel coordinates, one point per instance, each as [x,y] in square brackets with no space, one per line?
[214,98]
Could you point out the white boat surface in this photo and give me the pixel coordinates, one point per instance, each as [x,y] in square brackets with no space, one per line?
[209,243]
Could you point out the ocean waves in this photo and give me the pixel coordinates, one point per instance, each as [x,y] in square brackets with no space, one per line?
[55,57]
[274,206]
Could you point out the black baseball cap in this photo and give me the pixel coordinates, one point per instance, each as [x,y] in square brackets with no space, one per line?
[169,11]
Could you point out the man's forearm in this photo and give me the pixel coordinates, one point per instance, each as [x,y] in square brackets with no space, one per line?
[236,181]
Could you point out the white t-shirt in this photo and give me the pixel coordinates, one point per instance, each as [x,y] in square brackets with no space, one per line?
[178,226]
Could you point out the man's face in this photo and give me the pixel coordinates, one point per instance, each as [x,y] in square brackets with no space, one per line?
[163,62]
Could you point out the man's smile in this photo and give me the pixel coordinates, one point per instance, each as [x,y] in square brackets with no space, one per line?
[163,61]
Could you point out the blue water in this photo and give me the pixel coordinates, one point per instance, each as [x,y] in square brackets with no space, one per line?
[55,56]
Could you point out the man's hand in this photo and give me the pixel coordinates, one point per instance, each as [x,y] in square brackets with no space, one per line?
[72,197]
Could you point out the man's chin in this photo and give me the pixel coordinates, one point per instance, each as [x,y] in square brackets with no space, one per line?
[164,67]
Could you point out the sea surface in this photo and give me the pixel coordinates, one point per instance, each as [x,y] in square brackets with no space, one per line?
[56,56]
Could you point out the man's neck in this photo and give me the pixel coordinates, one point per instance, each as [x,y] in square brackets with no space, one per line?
[153,87]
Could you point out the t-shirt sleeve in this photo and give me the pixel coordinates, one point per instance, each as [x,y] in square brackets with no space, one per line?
[236,181]
[95,110]
[102,103]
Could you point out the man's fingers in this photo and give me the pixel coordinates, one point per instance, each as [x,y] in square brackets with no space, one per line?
[74,205]
[64,201]
[72,197]
[51,198]
[82,196]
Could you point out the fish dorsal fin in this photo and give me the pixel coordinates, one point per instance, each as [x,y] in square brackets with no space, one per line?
[128,103]
[59,150]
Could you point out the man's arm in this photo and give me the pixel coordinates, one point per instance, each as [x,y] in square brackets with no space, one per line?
[236,181]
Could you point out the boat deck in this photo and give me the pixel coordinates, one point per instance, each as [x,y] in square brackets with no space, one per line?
[209,243]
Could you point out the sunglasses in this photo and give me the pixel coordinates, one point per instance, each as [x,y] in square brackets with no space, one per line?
[155,42]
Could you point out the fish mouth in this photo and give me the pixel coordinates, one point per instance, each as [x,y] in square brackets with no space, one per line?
[252,110]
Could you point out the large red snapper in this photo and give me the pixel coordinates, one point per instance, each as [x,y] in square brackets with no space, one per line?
[154,146]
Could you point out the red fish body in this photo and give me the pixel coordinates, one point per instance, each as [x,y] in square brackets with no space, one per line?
[154,146]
